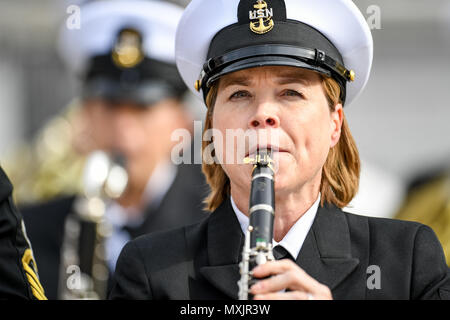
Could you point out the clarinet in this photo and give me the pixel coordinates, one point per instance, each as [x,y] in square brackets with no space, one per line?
[258,238]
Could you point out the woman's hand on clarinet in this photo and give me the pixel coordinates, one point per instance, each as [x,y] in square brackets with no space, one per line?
[285,274]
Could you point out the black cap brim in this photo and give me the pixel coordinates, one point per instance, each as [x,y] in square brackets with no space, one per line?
[261,61]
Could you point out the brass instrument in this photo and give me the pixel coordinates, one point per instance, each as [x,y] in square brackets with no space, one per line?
[83,269]
[48,166]
[258,238]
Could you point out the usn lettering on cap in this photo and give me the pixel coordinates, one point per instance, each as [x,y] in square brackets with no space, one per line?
[263,17]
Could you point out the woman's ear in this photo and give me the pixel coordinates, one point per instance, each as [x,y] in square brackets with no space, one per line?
[337,117]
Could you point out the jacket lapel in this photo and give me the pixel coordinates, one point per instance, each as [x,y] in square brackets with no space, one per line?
[326,252]
[224,247]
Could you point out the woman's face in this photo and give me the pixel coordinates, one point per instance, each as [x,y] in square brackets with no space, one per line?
[289,106]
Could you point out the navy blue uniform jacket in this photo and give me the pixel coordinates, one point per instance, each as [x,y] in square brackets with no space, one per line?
[200,261]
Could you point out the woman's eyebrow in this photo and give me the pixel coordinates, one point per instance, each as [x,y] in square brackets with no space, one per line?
[281,78]
[230,81]
[292,78]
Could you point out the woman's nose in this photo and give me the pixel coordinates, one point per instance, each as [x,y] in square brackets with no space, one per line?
[265,117]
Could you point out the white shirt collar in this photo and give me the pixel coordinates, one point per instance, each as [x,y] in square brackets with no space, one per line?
[293,240]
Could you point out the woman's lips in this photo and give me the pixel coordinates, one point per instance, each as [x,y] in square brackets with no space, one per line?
[271,149]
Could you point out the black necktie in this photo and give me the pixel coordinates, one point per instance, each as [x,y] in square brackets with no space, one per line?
[281,253]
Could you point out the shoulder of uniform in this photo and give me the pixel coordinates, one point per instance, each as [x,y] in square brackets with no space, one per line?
[174,241]
[391,228]
[5,185]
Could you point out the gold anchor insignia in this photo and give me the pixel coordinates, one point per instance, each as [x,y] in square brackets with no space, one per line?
[264,16]
[127,52]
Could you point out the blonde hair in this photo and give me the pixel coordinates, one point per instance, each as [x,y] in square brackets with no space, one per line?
[340,173]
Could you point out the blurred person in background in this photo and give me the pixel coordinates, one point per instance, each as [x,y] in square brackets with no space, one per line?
[19,276]
[131,102]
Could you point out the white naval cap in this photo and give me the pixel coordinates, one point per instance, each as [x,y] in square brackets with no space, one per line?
[124,48]
[216,37]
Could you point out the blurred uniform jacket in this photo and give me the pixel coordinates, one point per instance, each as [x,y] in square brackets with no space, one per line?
[181,205]
[201,261]
[428,202]
[18,270]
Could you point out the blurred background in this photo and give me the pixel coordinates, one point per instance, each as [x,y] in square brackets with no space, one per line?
[400,122]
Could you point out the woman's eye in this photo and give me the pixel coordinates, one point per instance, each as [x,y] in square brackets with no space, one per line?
[240,94]
[292,93]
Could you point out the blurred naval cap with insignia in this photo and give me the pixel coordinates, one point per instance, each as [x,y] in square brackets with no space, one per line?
[124,51]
